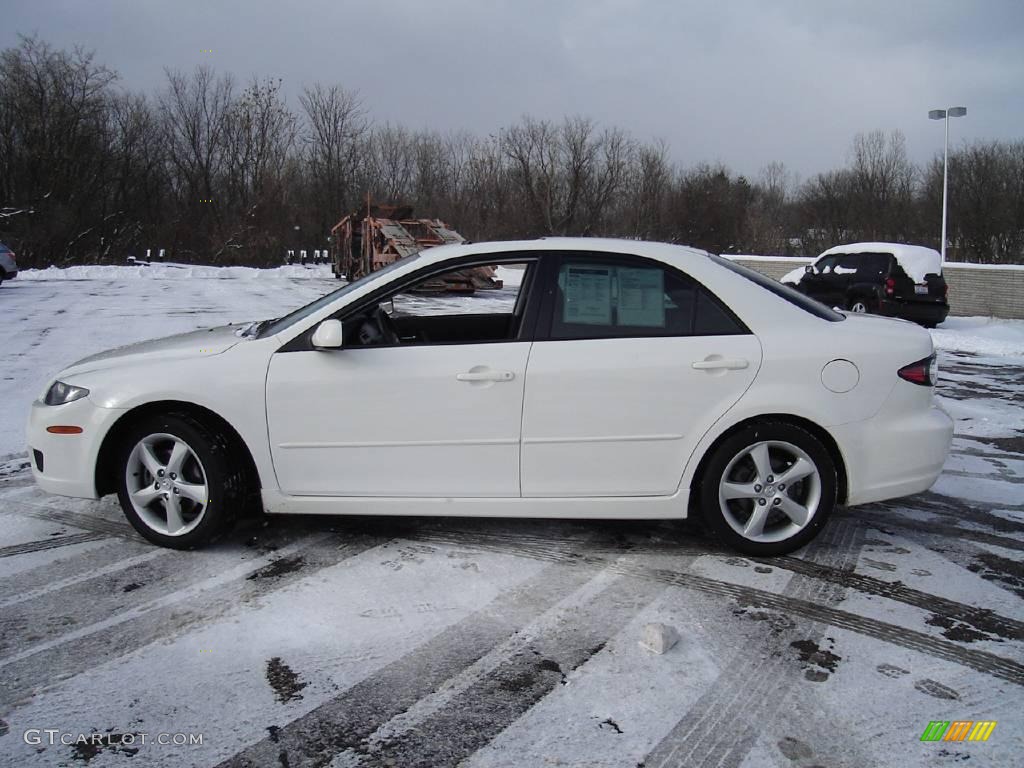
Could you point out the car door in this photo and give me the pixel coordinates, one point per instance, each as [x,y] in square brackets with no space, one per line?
[633,362]
[415,418]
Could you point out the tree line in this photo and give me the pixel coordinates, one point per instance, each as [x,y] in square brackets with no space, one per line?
[213,171]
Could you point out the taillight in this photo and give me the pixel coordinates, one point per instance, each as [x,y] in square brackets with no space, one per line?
[890,286]
[924,372]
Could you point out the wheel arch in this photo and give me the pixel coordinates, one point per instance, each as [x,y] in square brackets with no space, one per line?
[799,421]
[106,467]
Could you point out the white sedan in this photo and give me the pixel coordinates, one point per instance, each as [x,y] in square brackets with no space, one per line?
[612,379]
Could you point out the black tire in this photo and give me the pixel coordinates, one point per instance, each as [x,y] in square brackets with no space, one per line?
[226,479]
[711,504]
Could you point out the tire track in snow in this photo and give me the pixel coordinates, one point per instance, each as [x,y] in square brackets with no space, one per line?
[979,618]
[723,725]
[71,653]
[74,519]
[87,573]
[114,553]
[54,542]
[918,529]
[495,701]
[344,722]
[981,661]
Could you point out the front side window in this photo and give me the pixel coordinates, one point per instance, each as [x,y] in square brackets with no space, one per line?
[269,328]
[466,305]
[605,299]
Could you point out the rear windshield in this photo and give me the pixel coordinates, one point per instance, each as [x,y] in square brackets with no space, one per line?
[806,303]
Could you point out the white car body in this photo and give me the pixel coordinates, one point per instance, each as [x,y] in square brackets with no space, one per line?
[583,428]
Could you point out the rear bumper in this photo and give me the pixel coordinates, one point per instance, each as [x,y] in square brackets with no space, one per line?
[918,311]
[894,454]
[8,274]
[68,461]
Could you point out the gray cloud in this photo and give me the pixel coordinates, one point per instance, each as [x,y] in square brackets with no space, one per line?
[745,82]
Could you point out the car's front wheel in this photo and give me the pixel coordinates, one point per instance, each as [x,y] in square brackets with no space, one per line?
[768,489]
[178,486]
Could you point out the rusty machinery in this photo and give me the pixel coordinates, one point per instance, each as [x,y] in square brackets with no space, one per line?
[377,235]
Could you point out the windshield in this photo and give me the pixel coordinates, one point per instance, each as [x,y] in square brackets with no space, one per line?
[281,323]
[805,303]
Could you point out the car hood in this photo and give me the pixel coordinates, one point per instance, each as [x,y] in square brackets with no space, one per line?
[203,343]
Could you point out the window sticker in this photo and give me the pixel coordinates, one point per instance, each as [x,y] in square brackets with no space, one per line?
[641,297]
[588,295]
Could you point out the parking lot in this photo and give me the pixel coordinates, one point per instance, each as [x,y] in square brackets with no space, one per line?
[442,642]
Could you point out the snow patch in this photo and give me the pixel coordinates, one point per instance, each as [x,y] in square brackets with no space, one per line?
[986,336]
[168,271]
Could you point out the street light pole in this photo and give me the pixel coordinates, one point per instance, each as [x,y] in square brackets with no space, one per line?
[945,114]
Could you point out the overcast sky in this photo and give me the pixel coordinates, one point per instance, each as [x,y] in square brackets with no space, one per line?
[740,81]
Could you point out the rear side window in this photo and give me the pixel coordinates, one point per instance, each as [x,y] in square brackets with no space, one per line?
[606,299]
[806,303]
[867,266]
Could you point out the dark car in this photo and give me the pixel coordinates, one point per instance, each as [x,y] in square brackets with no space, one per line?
[880,278]
[8,266]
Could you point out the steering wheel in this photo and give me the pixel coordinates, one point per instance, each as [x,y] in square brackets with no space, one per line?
[386,325]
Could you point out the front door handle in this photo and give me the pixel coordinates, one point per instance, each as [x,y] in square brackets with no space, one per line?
[485,375]
[720,364]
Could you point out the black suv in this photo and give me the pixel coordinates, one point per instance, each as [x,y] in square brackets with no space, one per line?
[873,280]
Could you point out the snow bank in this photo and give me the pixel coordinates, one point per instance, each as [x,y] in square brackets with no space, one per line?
[985,336]
[174,272]
[916,260]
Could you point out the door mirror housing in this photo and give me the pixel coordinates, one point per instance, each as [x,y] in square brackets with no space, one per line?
[328,335]
[809,268]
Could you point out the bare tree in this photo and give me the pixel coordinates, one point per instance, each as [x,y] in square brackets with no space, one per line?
[333,146]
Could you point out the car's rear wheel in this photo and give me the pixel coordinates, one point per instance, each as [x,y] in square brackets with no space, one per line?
[768,489]
[178,486]
[861,306]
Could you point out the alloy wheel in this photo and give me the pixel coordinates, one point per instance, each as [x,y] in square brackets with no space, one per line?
[167,484]
[770,491]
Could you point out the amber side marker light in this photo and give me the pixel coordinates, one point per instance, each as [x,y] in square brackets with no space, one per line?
[64,430]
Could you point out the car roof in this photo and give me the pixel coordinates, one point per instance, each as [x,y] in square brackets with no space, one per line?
[916,260]
[679,255]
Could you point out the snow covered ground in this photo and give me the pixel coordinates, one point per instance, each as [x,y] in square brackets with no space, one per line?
[438,642]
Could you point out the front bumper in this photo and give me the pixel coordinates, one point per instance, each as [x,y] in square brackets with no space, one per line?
[68,461]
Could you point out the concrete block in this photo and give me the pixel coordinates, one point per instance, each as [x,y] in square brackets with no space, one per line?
[659,638]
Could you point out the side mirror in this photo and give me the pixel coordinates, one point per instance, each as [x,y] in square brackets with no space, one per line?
[809,268]
[328,335]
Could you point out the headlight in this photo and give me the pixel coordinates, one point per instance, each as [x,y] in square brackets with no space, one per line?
[60,393]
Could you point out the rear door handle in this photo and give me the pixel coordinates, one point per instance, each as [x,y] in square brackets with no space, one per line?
[487,375]
[720,364]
